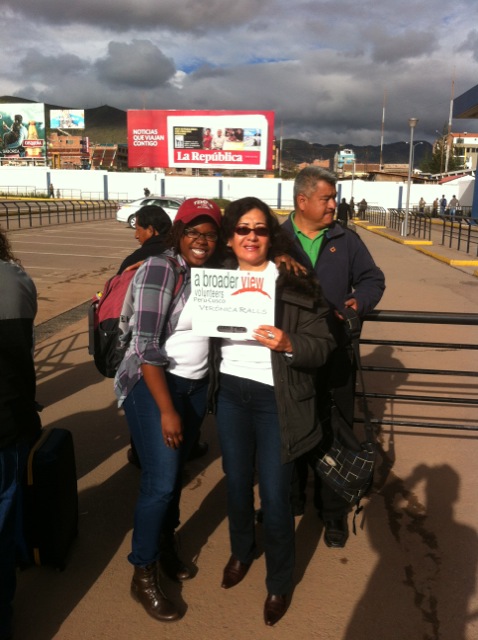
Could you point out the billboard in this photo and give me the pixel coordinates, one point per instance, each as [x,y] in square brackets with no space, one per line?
[201,139]
[67,118]
[22,130]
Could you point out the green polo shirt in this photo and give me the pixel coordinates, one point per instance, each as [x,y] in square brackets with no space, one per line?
[310,245]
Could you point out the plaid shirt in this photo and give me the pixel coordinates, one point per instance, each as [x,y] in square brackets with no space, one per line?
[154,318]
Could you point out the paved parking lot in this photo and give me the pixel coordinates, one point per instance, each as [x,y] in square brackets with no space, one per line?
[411,570]
[69,263]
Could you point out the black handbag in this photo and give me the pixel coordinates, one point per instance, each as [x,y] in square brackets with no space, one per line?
[341,460]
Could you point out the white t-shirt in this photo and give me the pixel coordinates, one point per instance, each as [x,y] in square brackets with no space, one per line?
[187,353]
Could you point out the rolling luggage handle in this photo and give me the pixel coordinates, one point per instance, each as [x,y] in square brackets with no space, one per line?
[43,437]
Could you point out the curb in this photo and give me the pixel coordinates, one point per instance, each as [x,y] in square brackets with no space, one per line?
[418,245]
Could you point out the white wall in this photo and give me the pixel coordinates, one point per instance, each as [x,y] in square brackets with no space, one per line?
[130,186]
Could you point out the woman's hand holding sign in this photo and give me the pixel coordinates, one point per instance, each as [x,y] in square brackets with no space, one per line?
[272,337]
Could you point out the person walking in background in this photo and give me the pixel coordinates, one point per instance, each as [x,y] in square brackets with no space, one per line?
[344,212]
[421,205]
[453,205]
[435,208]
[362,209]
[51,191]
[161,384]
[147,192]
[443,203]
[349,278]
[19,421]
[352,206]
[267,409]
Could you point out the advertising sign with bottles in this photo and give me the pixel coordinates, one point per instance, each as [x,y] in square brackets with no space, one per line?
[22,130]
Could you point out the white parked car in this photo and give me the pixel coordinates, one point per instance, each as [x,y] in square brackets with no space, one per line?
[127,212]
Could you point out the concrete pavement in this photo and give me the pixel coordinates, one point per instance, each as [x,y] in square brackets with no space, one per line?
[410,572]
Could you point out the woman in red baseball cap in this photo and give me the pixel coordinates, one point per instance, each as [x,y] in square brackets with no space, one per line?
[162,386]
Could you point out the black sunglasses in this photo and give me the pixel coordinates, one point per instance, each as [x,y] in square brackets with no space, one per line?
[245,231]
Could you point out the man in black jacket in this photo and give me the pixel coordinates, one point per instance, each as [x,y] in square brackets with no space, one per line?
[344,212]
[19,420]
[349,278]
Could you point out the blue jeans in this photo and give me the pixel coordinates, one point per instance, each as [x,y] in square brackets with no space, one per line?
[157,508]
[12,466]
[249,434]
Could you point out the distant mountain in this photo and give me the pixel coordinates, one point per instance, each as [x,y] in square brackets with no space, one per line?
[297,151]
[107,125]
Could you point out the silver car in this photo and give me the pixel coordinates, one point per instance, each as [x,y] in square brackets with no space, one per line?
[127,212]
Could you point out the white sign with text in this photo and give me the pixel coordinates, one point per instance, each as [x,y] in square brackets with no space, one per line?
[230,303]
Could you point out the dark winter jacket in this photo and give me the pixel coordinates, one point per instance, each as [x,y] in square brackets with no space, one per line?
[19,419]
[153,246]
[301,312]
[345,270]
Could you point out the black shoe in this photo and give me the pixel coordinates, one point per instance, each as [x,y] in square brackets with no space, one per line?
[336,532]
[274,608]
[199,450]
[234,572]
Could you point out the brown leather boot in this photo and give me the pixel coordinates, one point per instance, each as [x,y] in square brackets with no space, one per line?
[169,561]
[146,590]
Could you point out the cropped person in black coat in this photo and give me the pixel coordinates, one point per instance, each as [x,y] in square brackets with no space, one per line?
[19,421]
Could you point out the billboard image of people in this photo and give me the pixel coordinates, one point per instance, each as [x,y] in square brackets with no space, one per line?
[206,139]
[22,130]
[67,119]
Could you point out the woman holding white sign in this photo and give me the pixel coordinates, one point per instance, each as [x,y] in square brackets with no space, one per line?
[162,386]
[267,409]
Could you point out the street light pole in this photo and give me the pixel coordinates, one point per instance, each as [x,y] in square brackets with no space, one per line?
[413,123]
[413,157]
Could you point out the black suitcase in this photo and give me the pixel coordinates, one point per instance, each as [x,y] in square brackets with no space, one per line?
[51,498]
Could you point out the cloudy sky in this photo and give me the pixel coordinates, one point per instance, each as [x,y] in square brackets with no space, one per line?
[323,66]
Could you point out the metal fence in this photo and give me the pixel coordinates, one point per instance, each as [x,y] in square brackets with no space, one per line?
[441,390]
[460,234]
[458,231]
[36,192]
[419,224]
[18,214]
[377,216]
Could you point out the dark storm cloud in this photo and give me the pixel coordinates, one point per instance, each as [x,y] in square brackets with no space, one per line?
[470,44]
[124,15]
[39,67]
[388,48]
[322,66]
[137,64]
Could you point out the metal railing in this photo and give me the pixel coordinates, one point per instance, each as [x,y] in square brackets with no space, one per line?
[468,397]
[19,214]
[377,216]
[419,224]
[460,233]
